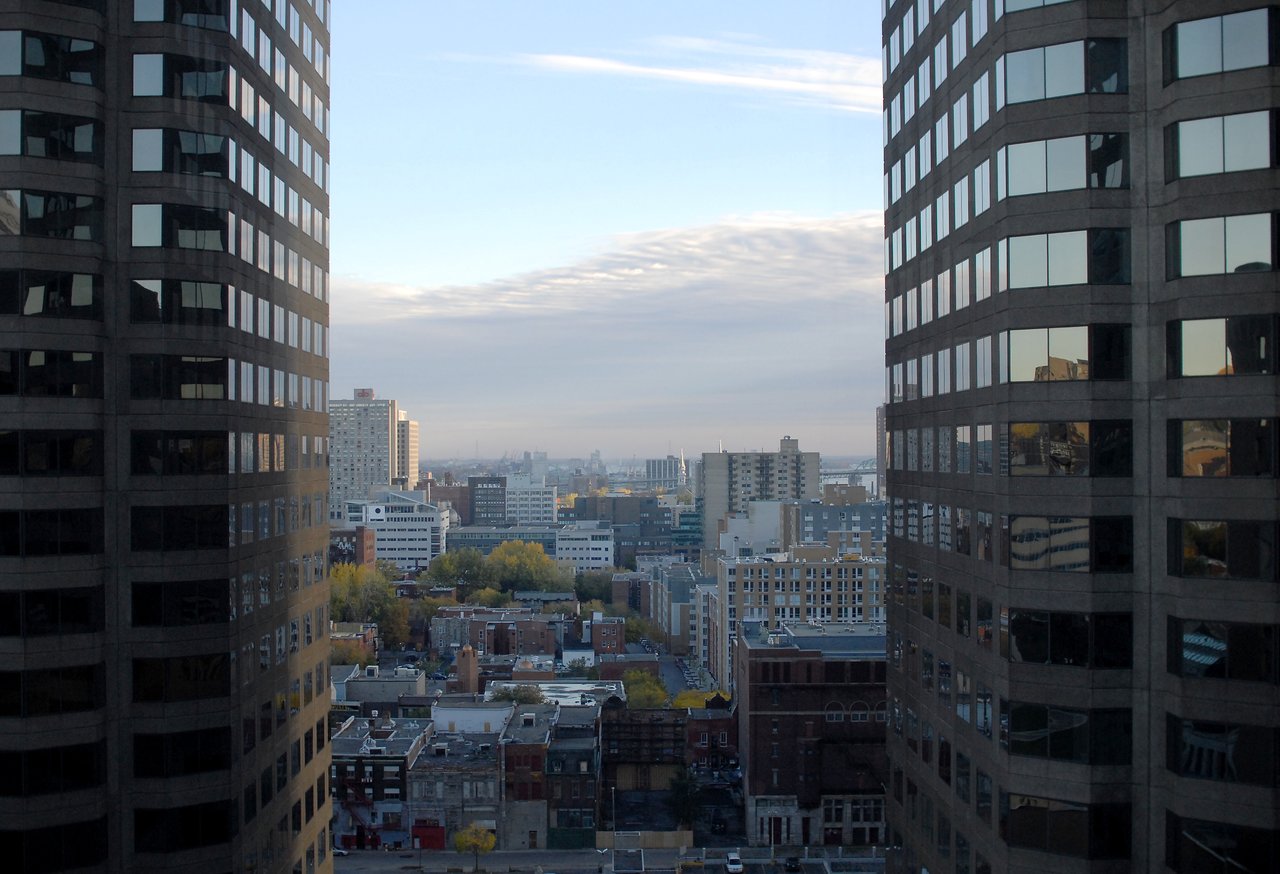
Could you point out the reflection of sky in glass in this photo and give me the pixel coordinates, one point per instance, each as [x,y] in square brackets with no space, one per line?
[1204,342]
[146,224]
[1248,242]
[1024,74]
[1064,69]
[1071,344]
[1244,40]
[10,52]
[1246,141]
[1028,265]
[1200,147]
[1069,256]
[1203,249]
[1026,168]
[1199,47]
[1028,350]
[1065,161]
[10,132]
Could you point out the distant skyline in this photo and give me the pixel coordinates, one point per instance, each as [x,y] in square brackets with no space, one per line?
[567,227]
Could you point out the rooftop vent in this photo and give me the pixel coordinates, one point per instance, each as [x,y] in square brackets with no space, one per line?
[527,719]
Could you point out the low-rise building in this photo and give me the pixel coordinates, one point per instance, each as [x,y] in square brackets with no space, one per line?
[587,546]
[410,530]
[811,712]
[455,783]
[369,779]
[523,753]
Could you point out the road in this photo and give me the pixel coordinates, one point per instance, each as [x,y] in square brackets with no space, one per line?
[756,861]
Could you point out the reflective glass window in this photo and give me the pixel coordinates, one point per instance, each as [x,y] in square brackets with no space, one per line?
[1221,44]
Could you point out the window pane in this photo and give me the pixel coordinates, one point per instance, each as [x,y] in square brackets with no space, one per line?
[1244,40]
[148,221]
[1204,448]
[1068,353]
[1248,243]
[1203,248]
[148,75]
[1026,168]
[1246,141]
[1200,147]
[10,52]
[1025,75]
[1199,47]
[1028,261]
[1069,252]
[1204,343]
[1064,69]
[1108,161]
[1028,353]
[148,10]
[1065,161]
[148,150]
[1108,66]
[10,132]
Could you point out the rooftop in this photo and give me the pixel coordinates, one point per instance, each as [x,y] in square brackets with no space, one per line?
[843,639]
[380,736]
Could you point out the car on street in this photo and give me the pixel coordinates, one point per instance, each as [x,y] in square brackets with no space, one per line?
[792,864]
[338,851]
[733,864]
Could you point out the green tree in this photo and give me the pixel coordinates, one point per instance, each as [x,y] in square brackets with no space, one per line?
[595,585]
[517,565]
[637,629]
[463,568]
[520,695]
[644,690]
[695,698]
[684,797]
[475,840]
[361,594]
[489,597]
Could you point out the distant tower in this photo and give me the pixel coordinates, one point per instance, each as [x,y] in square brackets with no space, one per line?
[468,670]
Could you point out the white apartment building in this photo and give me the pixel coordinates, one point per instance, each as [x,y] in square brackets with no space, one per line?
[410,531]
[586,545]
[362,448]
[729,481]
[530,501]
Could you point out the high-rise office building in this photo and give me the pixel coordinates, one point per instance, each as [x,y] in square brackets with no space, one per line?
[163,382]
[364,453]
[406,451]
[1082,314]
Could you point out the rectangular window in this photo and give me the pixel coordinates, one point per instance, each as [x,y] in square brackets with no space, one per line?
[1221,347]
[1221,245]
[1222,549]
[1102,448]
[1221,144]
[1218,45]
[1078,544]
[1067,353]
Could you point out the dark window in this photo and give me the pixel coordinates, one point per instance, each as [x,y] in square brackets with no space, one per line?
[179,528]
[1196,845]
[51,691]
[181,678]
[176,604]
[1233,651]
[1228,549]
[61,58]
[181,753]
[61,137]
[178,453]
[58,373]
[1064,828]
[178,302]
[52,611]
[61,216]
[171,829]
[55,532]
[1109,168]
[1222,447]
[178,377]
[1098,640]
[55,769]
[55,848]
[1225,752]
[59,295]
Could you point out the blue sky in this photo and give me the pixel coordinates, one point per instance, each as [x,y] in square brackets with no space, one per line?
[627,226]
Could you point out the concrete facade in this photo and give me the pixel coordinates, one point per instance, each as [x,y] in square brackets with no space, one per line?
[1066,602]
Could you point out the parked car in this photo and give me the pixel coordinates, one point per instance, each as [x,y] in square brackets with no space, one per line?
[733,864]
[338,851]
[792,863]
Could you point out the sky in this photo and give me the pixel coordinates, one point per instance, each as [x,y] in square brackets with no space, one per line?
[637,226]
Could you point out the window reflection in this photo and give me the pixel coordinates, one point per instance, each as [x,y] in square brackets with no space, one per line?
[1221,347]
[1220,44]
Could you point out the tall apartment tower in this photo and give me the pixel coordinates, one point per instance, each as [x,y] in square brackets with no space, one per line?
[163,382]
[729,481]
[1082,315]
[363,447]
[406,450]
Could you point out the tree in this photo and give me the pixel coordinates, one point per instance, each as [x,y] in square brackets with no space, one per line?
[644,690]
[361,594]
[463,568]
[694,698]
[684,797]
[475,840]
[489,597]
[348,652]
[516,565]
[423,610]
[595,585]
[520,695]
[637,629]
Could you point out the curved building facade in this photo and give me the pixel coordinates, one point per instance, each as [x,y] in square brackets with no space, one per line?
[1081,311]
[163,435]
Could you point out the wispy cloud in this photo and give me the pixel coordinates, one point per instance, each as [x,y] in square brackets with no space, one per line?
[833,80]
[742,331]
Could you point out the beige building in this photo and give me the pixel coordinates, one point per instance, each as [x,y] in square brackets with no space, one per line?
[729,481]
[406,450]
